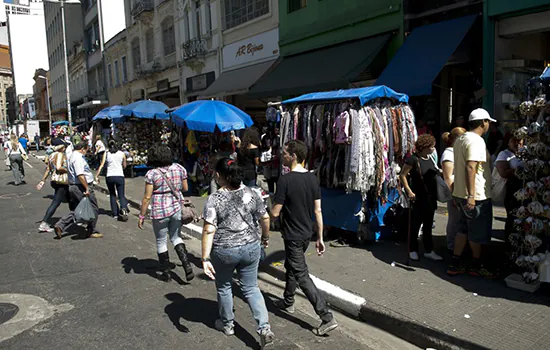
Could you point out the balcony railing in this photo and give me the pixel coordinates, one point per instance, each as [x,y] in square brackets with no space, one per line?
[142,6]
[194,48]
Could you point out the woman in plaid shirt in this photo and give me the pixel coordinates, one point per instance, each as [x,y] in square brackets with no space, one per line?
[165,207]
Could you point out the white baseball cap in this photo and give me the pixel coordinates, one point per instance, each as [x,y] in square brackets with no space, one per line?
[480,114]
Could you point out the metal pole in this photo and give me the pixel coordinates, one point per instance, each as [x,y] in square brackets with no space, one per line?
[49,107]
[66,64]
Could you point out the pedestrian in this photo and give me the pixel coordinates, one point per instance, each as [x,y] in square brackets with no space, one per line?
[506,164]
[57,168]
[23,140]
[472,193]
[233,218]
[37,142]
[116,163]
[266,160]
[165,207]
[16,154]
[447,165]
[298,197]
[81,184]
[248,156]
[99,149]
[421,189]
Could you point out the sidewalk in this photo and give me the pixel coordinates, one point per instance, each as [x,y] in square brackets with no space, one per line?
[420,304]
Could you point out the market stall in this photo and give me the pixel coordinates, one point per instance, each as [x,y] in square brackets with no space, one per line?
[203,131]
[357,138]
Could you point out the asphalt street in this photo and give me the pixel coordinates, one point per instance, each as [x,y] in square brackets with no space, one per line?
[104,293]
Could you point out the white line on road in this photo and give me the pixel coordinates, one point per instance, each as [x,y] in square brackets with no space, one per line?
[30,166]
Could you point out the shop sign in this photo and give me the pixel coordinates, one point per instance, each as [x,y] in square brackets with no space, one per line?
[259,47]
[200,82]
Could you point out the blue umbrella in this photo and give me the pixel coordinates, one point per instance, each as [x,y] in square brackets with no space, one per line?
[62,122]
[146,109]
[546,73]
[207,115]
[112,113]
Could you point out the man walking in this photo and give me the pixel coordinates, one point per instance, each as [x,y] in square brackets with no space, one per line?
[472,194]
[80,185]
[298,196]
[37,142]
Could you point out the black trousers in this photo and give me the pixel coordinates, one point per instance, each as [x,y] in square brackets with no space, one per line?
[61,193]
[423,212]
[297,274]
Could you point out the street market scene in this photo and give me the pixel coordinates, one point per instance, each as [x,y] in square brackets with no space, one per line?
[262,174]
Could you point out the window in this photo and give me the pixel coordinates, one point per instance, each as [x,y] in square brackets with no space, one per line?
[124,70]
[150,44]
[136,54]
[295,5]
[110,72]
[237,12]
[117,75]
[198,18]
[168,36]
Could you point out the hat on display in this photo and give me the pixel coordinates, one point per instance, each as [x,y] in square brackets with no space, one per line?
[480,114]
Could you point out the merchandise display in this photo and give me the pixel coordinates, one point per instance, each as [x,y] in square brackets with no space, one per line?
[532,223]
[138,135]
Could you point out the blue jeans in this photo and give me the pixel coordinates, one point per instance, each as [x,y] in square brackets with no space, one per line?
[245,260]
[115,184]
[168,226]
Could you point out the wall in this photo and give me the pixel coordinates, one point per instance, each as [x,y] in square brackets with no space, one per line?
[503,7]
[324,23]
[259,25]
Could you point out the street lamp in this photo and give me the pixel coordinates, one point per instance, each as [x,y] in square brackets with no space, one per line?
[66,60]
[48,96]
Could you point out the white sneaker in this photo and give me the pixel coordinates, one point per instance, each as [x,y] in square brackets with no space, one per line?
[44,227]
[414,256]
[433,256]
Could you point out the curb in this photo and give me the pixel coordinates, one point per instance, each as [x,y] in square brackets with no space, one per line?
[357,307]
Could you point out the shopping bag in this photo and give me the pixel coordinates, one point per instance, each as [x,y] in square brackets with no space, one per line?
[84,212]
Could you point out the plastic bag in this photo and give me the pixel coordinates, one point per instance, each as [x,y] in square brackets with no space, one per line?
[84,212]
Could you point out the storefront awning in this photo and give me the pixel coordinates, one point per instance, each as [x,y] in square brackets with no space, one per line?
[172,91]
[237,81]
[424,53]
[328,68]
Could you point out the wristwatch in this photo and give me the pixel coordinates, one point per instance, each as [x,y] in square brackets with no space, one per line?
[205,259]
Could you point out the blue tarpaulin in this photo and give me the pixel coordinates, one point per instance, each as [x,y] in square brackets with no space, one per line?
[424,53]
[146,109]
[63,122]
[363,94]
[113,113]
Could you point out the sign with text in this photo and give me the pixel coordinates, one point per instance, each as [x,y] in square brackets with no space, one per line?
[249,50]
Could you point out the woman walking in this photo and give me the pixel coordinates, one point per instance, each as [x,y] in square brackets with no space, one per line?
[165,206]
[231,241]
[16,153]
[422,192]
[116,163]
[99,149]
[447,165]
[57,168]
[248,156]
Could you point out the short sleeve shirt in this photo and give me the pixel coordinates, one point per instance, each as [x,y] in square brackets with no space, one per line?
[423,181]
[471,147]
[448,156]
[510,157]
[78,166]
[163,202]
[235,214]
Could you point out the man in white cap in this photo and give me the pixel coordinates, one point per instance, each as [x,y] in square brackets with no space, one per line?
[472,194]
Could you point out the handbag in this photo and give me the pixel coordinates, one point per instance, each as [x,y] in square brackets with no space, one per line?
[60,179]
[444,193]
[188,215]
[498,190]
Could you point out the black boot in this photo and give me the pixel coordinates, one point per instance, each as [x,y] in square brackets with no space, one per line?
[164,261]
[182,254]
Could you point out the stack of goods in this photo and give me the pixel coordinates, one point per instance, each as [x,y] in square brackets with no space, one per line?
[137,136]
[532,225]
[353,147]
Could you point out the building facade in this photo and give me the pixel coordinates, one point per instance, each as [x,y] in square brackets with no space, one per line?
[327,45]
[56,50]
[41,94]
[116,59]
[78,81]
[516,43]
[6,83]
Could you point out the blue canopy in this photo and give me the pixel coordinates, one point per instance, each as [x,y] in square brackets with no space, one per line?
[112,113]
[363,94]
[146,109]
[419,60]
[207,115]
[62,122]
[546,73]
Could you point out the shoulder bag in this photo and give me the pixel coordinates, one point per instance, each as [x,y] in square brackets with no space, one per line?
[444,193]
[60,179]
[188,215]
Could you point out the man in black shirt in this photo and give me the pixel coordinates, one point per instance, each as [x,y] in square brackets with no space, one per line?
[298,196]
